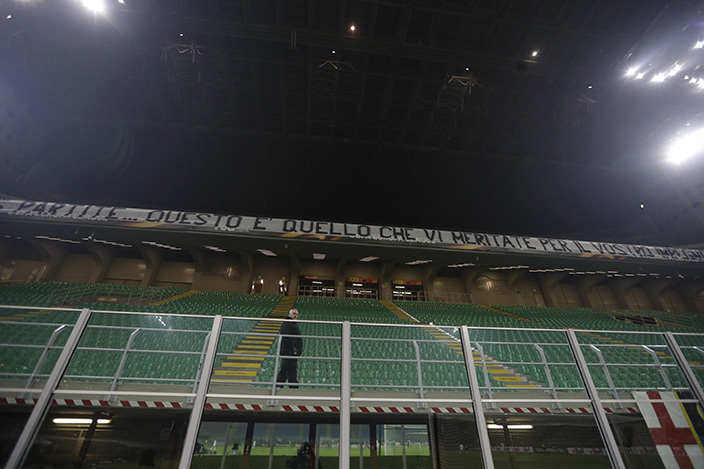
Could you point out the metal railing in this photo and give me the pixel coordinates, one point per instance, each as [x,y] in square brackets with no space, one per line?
[463,350]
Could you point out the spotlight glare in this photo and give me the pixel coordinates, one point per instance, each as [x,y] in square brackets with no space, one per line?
[534,54]
[686,146]
[630,72]
[352,28]
[699,45]
[640,75]
[659,78]
[96,6]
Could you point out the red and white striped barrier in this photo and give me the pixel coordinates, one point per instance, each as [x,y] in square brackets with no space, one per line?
[303,408]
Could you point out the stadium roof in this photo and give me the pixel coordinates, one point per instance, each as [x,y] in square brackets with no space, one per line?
[542,118]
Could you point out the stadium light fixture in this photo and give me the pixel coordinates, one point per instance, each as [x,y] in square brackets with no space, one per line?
[686,147]
[495,426]
[96,6]
[534,53]
[353,28]
[699,45]
[631,72]
[75,421]
[658,77]
[640,75]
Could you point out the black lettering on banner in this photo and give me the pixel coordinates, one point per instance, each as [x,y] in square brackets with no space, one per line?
[85,210]
[398,233]
[458,237]
[112,214]
[171,216]
[258,223]
[618,249]
[386,228]
[319,228]
[155,216]
[289,226]
[409,235]
[526,242]
[430,234]
[236,219]
[364,230]
[39,207]
[481,239]
[25,204]
[217,221]
[70,212]
[332,230]
[507,242]
[201,219]
[563,245]
[580,247]
[184,218]
[305,229]
[55,207]
[544,243]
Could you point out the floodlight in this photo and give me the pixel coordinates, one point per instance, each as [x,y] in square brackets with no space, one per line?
[686,146]
[96,6]
[699,45]
[74,421]
[352,28]
[630,72]
[494,426]
[640,75]
[534,54]
[659,77]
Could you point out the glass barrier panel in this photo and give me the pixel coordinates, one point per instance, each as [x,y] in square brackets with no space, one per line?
[14,415]
[509,361]
[87,436]
[132,353]
[622,363]
[30,343]
[536,436]
[658,429]
[262,356]
[457,441]
[692,347]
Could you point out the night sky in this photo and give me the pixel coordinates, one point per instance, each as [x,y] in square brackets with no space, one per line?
[168,105]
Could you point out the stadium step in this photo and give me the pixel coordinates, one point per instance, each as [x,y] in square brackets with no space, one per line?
[243,364]
[398,312]
[173,298]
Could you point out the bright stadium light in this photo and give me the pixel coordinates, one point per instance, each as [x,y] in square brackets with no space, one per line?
[699,45]
[686,146]
[659,78]
[494,426]
[631,71]
[96,6]
[75,421]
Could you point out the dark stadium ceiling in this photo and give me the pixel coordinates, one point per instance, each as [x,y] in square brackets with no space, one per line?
[544,118]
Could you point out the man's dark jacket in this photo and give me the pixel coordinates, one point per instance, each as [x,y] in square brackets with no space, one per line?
[291,346]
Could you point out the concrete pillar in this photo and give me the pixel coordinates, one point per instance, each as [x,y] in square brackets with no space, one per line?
[585,285]
[689,292]
[620,288]
[294,274]
[340,277]
[654,289]
[547,283]
[385,287]
[430,271]
[103,256]
[153,258]
[53,255]
[469,277]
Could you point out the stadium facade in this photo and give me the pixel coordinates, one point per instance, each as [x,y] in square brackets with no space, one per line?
[154,334]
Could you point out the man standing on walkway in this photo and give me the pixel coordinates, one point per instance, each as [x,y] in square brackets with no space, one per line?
[291,346]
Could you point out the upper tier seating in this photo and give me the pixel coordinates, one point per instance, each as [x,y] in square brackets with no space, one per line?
[169,344]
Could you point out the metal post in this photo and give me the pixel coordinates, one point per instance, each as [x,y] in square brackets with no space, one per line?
[655,358]
[197,411]
[121,366]
[548,375]
[683,364]
[19,453]
[599,413]
[482,430]
[607,373]
[32,379]
[421,391]
[345,394]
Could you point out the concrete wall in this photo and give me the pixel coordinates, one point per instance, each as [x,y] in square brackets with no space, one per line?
[126,271]
[175,274]
[76,268]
